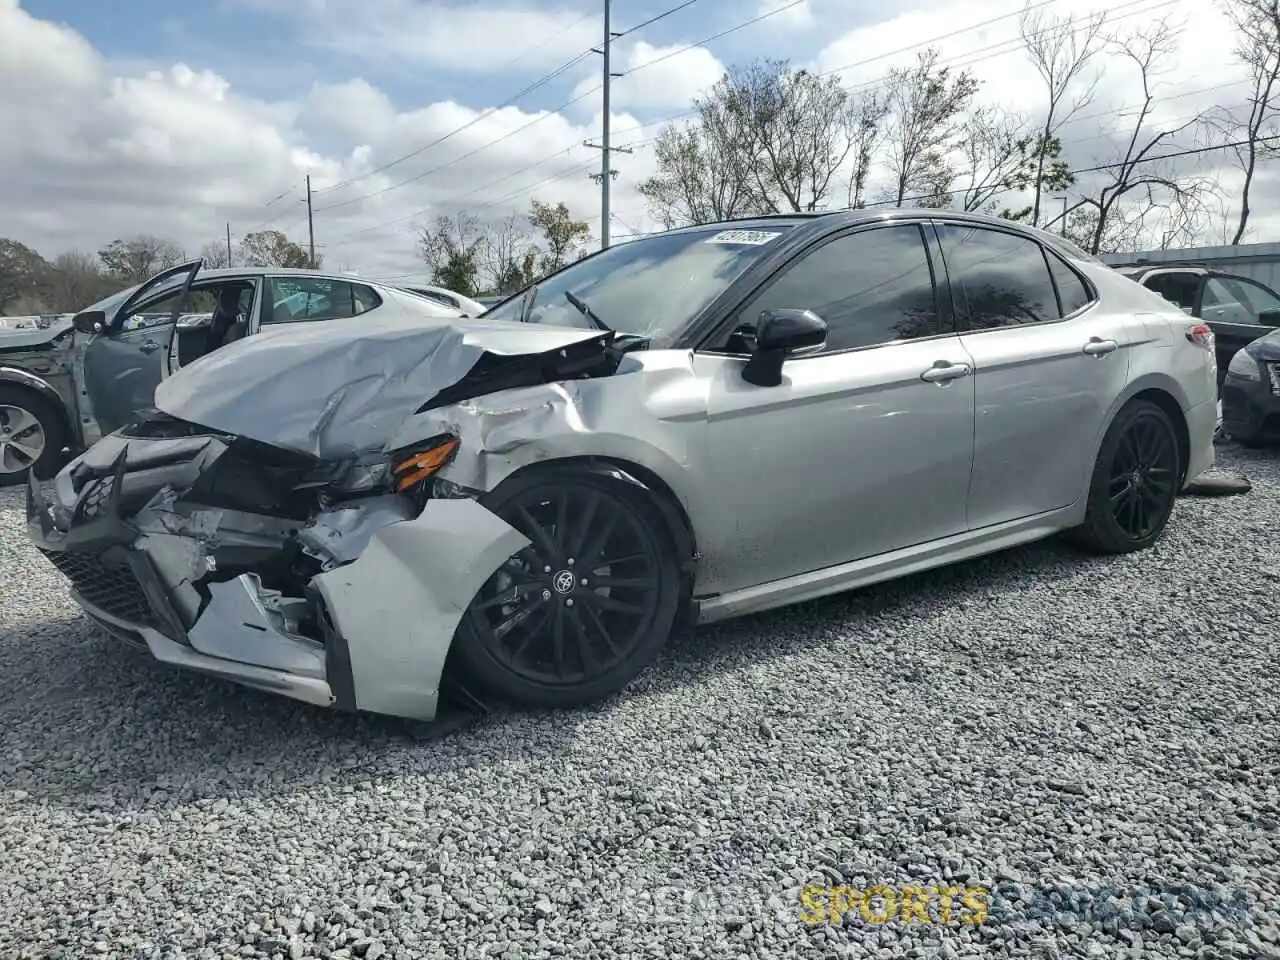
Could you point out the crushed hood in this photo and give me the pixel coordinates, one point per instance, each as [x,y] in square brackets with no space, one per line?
[336,388]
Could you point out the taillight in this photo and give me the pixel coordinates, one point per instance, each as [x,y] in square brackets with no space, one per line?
[1200,335]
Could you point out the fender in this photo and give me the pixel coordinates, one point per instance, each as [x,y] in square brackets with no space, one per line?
[39,385]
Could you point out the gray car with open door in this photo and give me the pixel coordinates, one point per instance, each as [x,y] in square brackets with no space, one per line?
[64,385]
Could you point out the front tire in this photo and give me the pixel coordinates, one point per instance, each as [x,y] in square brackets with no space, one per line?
[32,436]
[576,615]
[1135,482]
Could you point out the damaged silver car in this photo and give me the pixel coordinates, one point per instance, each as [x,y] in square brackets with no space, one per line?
[699,424]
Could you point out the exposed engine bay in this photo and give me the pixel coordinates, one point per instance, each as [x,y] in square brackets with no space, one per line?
[276,564]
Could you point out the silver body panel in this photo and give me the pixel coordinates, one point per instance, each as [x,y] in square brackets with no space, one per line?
[856,468]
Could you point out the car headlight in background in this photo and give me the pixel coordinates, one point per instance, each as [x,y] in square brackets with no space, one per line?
[1243,366]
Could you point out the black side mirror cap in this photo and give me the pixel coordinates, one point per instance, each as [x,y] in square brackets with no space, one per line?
[780,333]
[90,321]
[1269,318]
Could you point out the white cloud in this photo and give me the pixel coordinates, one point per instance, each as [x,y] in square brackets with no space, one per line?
[92,152]
[457,35]
[788,13]
[655,77]
[94,149]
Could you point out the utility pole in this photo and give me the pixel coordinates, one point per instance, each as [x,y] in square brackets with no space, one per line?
[311,228]
[607,173]
[228,244]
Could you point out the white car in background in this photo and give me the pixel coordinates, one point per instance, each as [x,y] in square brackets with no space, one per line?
[464,305]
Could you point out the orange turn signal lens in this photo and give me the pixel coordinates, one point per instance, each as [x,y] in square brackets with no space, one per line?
[413,470]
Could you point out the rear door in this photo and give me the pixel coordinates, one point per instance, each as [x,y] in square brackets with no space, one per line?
[123,365]
[1048,362]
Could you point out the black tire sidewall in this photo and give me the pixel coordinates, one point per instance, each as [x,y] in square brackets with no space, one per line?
[1100,521]
[54,432]
[478,667]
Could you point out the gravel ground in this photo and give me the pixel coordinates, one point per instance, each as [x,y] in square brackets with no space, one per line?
[1094,741]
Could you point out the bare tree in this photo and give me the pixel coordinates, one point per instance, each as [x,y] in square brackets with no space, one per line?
[135,259]
[214,255]
[993,145]
[702,172]
[511,254]
[766,139]
[1257,24]
[924,103]
[1138,173]
[869,112]
[271,248]
[75,280]
[1060,50]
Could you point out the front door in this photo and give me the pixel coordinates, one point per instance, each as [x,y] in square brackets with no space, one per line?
[865,446]
[1049,363]
[123,365]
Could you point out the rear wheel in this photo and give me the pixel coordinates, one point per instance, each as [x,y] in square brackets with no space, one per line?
[31,435]
[581,610]
[1135,482]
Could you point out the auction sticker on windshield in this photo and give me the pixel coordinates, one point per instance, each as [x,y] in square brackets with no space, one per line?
[752,237]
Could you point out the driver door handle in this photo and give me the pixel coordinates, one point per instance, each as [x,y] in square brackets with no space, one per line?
[943,372]
[148,346]
[1100,348]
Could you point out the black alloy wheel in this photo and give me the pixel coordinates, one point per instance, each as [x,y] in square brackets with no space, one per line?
[1135,482]
[1144,475]
[581,610]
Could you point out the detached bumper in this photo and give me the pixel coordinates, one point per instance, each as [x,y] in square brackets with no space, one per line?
[380,626]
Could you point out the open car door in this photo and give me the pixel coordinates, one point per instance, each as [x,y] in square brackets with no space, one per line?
[127,354]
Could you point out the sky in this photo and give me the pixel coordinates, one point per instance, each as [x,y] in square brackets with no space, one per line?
[179,119]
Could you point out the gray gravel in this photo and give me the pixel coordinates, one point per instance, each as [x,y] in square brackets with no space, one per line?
[1096,740]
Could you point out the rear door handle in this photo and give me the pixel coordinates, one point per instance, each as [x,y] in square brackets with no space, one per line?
[942,372]
[1100,348]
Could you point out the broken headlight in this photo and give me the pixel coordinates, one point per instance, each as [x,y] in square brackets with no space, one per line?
[415,466]
[402,470]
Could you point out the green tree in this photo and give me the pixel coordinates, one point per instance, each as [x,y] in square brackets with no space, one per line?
[22,272]
[452,250]
[271,248]
[561,234]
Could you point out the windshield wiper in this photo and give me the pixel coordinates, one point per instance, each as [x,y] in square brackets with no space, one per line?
[583,308]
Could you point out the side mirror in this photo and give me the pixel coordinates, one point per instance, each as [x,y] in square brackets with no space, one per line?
[91,321]
[1269,318]
[780,333]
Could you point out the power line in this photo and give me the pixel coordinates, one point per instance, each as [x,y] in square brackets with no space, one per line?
[541,117]
[661,16]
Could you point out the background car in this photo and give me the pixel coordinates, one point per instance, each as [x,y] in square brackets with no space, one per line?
[695,425]
[1251,393]
[464,305]
[1237,309]
[147,332]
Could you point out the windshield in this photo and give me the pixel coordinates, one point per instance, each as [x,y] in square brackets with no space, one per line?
[649,288]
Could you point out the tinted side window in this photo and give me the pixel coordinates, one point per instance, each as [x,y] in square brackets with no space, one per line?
[1072,293]
[997,279]
[1179,288]
[871,287]
[1253,295]
[310,298]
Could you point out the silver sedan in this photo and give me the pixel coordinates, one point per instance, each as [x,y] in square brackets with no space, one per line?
[696,425]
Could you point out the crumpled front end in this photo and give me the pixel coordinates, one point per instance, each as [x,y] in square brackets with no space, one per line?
[325,582]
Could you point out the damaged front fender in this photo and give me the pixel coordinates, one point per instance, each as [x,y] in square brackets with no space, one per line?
[397,607]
